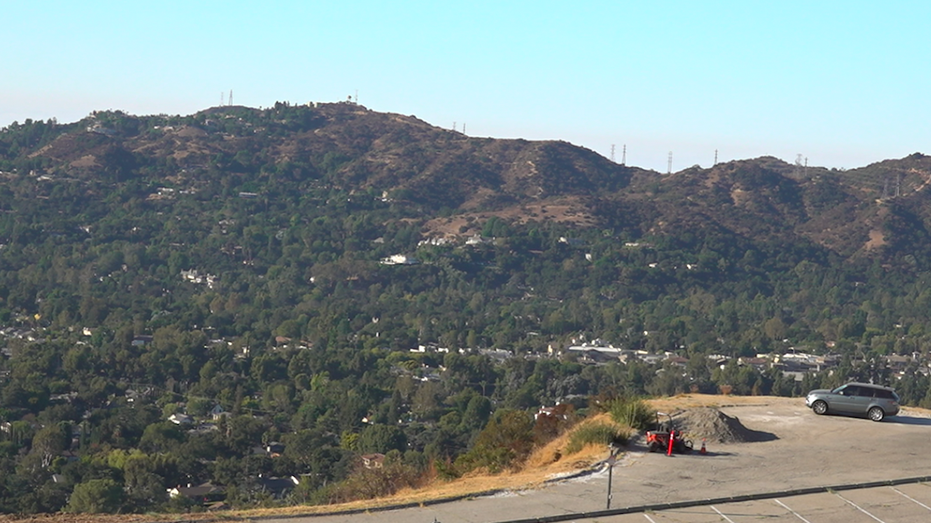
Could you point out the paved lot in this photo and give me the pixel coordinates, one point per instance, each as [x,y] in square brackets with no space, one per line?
[808,451]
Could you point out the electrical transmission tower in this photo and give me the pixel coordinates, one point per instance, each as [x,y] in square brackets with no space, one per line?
[612,153]
[715,158]
[669,164]
[624,155]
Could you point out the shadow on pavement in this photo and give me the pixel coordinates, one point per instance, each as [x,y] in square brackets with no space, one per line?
[909,420]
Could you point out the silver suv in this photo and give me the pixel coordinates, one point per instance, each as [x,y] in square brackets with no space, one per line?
[857,399]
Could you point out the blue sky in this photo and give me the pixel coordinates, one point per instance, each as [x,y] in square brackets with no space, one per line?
[843,83]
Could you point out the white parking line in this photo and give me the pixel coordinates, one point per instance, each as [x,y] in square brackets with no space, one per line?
[783,505]
[854,505]
[721,514]
[910,498]
[649,518]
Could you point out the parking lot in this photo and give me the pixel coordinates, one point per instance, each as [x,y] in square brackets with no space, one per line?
[805,452]
[900,503]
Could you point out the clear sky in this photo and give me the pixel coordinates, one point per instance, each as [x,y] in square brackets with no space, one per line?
[844,83]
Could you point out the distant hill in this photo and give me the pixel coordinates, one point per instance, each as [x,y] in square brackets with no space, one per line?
[459,181]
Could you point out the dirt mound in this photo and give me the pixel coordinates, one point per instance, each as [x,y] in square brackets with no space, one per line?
[715,426]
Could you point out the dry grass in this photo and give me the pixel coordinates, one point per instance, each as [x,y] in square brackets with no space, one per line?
[686,401]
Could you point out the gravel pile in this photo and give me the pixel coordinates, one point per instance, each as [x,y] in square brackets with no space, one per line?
[715,426]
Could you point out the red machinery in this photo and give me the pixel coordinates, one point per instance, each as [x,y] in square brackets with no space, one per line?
[666,438]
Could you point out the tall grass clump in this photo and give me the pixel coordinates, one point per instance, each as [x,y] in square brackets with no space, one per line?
[597,433]
[633,413]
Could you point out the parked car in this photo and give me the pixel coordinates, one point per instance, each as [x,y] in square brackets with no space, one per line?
[855,399]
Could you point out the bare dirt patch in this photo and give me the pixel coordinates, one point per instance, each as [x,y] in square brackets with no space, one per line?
[564,210]
[877,239]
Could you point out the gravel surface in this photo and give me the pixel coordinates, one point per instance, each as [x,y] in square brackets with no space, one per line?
[714,426]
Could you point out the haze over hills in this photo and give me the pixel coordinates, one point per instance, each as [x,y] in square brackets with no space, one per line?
[345,282]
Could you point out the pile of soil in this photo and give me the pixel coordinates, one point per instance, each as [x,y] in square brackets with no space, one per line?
[715,426]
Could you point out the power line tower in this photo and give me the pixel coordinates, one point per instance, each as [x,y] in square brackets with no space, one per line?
[885,188]
[612,154]
[222,99]
[898,184]
[624,155]
[230,99]
[715,158]
[669,164]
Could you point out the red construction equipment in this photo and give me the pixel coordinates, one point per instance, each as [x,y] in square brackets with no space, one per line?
[666,437]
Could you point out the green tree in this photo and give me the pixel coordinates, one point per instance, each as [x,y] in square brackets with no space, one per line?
[96,496]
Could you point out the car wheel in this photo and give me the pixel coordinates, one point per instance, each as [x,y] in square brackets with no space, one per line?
[819,407]
[876,414]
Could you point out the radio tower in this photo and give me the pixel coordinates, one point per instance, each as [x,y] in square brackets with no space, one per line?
[222,99]
[612,153]
[230,99]
[669,164]
[715,158]
[624,155]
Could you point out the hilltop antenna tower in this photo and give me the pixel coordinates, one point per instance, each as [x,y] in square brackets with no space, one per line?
[612,153]
[222,99]
[715,158]
[806,167]
[624,155]
[669,164]
[230,99]
[454,126]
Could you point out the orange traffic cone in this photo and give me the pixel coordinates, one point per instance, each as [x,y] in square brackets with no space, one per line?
[703,451]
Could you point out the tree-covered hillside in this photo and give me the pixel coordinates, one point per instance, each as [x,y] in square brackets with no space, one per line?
[311,284]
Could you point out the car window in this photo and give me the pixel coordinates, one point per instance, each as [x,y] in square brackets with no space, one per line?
[884,394]
[866,391]
[851,390]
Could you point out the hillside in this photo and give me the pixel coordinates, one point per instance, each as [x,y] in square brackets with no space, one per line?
[242,294]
